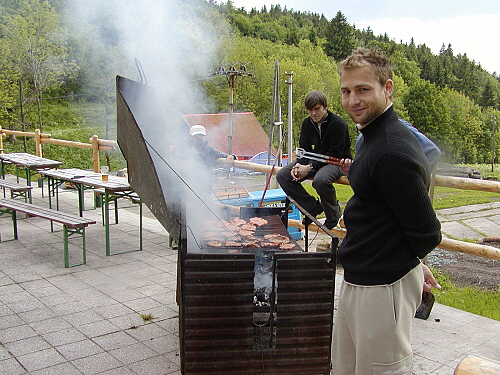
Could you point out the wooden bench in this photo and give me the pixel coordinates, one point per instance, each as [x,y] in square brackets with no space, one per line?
[16,189]
[73,224]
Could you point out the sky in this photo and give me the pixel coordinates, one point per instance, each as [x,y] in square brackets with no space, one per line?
[471,27]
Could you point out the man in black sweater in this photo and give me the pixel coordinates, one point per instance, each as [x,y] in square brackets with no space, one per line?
[323,133]
[390,225]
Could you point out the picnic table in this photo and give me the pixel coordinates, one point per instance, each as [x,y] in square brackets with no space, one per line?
[57,177]
[113,189]
[27,162]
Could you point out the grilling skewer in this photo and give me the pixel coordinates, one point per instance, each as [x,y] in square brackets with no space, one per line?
[301,153]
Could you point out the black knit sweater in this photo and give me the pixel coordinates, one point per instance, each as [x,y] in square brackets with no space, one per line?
[390,221]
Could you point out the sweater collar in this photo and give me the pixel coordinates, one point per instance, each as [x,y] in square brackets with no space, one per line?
[361,127]
[388,113]
[328,114]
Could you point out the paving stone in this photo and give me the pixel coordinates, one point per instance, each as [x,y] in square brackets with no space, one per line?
[26,346]
[97,363]
[41,359]
[459,231]
[484,226]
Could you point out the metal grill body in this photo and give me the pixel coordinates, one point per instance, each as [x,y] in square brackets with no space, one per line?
[217,330]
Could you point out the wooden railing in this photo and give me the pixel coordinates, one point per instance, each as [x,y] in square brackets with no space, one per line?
[95,144]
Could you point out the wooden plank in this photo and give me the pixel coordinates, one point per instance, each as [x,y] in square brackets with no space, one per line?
[60,217]
[14,186]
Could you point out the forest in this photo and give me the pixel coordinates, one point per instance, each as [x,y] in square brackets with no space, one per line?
[49,73]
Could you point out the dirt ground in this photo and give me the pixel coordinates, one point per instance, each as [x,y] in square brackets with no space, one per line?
[468,270]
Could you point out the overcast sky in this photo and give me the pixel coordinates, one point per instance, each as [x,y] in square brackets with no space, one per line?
[471,27]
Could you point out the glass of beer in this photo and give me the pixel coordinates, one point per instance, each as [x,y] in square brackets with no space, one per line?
[104,172]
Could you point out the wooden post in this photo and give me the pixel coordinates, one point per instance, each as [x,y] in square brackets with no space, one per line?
[95,153]
[1,140]
[38,143]
[477,365]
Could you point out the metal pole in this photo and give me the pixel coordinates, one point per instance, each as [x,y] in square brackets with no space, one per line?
[290,115]
[273,110]
[279,123]
[230,130]
[280,140]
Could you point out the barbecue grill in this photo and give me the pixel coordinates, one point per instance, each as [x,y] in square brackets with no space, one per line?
[232,322]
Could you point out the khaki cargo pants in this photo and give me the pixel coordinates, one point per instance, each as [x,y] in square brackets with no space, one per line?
[373,327]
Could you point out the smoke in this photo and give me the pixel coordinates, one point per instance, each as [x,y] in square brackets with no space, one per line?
[174,41]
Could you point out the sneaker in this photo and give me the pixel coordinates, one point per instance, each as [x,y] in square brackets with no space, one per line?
[333,224]
[314,212]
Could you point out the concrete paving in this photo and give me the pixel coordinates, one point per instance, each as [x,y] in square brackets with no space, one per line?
[118,315]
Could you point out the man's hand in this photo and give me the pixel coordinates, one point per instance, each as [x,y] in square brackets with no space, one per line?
[345,165]
[229,161]
[429,280]
[300,171]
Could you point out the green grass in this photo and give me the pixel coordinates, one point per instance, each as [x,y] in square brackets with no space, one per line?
[474,300]
[445,197]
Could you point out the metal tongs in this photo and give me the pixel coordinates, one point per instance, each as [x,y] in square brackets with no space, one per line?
[301,153]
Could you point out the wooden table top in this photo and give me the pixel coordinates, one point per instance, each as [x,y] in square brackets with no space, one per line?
[29,161]
[114,183]
[69,174]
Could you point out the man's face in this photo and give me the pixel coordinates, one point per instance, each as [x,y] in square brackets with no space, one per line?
[363,97]
[199,140]
[318,113]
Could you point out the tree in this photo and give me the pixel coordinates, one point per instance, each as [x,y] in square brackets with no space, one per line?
[426,109]
[36,47]
[466,135]
[489,97]
[340,38]
[466,78]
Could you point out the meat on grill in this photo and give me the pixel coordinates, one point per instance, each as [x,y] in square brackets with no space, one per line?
[238,233]
[258,221]
[249,227]
[238,221]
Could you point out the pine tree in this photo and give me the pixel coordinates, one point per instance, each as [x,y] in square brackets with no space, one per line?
[340,38]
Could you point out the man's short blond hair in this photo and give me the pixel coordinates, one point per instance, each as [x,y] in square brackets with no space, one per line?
[369,57]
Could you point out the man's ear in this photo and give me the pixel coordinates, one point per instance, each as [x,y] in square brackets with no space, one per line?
[389,87]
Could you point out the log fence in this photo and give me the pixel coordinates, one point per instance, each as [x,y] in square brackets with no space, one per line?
[95,144]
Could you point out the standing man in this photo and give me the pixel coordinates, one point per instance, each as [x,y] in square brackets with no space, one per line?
[323,133]
[390,225]
[208,154]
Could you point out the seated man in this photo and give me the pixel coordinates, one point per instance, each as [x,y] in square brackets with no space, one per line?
[323,133]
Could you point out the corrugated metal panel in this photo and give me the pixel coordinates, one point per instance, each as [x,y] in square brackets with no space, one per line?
[249,138]
[216,315]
